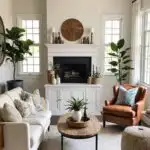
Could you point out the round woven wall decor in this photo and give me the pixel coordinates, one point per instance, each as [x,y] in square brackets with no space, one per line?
[2,40]
[72,29]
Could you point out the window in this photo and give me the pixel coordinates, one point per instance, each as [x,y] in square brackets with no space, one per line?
[31,64]
[112,34]
[145,73]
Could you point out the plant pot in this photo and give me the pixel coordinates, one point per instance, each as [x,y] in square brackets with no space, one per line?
[50,75]
[14,83]
[77,115]
[96,80]
[89,81]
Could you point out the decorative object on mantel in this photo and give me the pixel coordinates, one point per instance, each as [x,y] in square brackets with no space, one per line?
[72,29]
[121,67]
[85,40]
[2,41]
[53,35]
[54,82]
[76,105]
[51,73]
[95,77]
[58,39]
[92,33]
[58,79]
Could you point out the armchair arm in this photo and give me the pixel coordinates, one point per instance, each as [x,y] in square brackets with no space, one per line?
[16,136]
[109,102]
[138,108]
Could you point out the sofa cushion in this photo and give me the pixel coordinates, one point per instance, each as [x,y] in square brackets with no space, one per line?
[119,110]
[5,99]
[23,107]
[46,114]
[41,118]
[35,134]
[15,93]
[10,114]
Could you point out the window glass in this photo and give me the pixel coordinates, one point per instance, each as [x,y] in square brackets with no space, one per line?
[31,64]
[112,34]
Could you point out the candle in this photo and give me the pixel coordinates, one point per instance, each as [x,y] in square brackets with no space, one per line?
[53,30]
[92,30]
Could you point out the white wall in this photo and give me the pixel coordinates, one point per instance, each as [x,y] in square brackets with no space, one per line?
[90,13]
[6,14]
[146,4]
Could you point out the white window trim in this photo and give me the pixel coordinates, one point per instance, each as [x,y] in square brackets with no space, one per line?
[111,17]
[144,21]
[20,17]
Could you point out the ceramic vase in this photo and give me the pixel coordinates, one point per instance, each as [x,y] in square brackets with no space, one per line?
[77,115]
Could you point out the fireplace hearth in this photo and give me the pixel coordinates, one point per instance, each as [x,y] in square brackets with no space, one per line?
[73,69]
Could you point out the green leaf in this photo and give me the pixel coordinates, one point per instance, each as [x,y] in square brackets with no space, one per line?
[124,75]
[125,57]
[113,63]
[120,43]
[113,54]
[123,53]
[127,68]
[113,70]
[127,61]
[114,47]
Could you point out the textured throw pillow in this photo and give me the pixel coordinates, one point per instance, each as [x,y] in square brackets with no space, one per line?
[126,97]
[24,96]
[23,107]
[10,114]
[27,97]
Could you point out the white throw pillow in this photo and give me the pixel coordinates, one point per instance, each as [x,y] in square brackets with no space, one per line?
[10,114]
[23,107]
[37,100]
[27,97]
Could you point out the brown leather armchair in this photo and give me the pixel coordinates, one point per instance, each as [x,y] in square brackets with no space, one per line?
[122,114]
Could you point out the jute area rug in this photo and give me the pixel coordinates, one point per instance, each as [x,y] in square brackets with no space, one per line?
[109,139]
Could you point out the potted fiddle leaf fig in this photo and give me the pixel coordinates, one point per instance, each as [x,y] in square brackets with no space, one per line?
[76,105]
[120,66]
[15,51]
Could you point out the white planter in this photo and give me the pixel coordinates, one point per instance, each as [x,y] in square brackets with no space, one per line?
[77,115]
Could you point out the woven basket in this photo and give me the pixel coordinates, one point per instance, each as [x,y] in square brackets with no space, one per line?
[82,124]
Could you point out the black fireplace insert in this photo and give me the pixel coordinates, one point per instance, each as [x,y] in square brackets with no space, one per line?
[73,69]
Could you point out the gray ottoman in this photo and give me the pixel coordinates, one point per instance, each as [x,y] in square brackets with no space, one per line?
[136,138]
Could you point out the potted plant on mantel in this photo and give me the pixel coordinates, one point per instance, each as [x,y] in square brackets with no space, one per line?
[76,105]
[121,66]
[16,48]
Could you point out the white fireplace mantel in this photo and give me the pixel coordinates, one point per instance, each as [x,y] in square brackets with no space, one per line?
[72,50]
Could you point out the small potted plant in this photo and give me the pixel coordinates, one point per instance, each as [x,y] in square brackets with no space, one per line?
[96,77]
[75,105]
[15,51]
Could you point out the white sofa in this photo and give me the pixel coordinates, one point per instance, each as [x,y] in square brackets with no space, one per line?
[28,134]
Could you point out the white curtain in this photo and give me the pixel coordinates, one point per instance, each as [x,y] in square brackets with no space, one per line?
[136,41]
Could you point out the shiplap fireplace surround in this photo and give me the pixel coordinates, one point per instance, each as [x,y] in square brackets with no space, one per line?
[58,95]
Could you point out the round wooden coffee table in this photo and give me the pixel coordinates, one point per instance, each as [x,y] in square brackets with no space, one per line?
[83,133]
